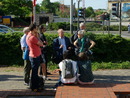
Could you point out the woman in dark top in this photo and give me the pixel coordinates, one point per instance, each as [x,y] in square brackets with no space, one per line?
[43,68]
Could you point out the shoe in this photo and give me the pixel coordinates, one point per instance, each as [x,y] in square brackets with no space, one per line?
[27,84]
[47,78]
[44,77]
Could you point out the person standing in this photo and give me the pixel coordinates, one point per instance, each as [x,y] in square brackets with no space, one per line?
[75,36]
[60,44]
[43,68]
[34,55]
[83,44]
[25,50]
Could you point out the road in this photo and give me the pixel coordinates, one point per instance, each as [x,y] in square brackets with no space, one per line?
[123,33]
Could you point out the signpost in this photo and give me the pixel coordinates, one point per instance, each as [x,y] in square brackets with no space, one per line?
[71,17]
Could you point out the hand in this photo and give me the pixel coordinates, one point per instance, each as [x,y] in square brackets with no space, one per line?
[45,42]
[61,46]
[44,46]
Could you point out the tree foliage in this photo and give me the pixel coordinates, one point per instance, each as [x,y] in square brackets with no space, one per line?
[19,8]
[49,7]
[89,12]
[1,10]
[46,6]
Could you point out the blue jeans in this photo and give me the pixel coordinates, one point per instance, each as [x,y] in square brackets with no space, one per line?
[35,63]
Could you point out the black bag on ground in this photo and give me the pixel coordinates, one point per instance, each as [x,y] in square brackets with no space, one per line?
[41,83]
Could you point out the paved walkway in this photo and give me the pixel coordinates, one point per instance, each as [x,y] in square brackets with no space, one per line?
[11,82]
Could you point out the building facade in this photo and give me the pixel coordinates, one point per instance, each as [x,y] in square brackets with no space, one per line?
[125,8]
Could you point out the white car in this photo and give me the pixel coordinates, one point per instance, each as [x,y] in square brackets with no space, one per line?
[5,29]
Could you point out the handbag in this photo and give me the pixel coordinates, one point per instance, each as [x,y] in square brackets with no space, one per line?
[26,54]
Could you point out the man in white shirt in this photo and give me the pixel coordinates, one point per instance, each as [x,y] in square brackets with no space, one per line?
[24,48]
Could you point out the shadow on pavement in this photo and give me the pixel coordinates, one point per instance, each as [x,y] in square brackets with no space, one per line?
[11,78]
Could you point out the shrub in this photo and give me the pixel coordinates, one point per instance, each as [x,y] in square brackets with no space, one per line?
[92,26]
[108,48]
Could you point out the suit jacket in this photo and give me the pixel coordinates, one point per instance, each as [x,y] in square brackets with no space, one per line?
[57,51]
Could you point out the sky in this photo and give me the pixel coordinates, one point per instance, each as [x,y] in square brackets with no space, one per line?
[96,4]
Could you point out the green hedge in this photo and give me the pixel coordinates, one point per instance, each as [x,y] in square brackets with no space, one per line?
[56,26]
[109,48]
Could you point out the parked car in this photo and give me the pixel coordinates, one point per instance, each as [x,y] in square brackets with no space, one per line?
[5,29]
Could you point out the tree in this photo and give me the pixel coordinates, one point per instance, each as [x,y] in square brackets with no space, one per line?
[55,5]
[1,10]
[37,8]
[46,6]
[89,12]
[99,12]
[49,7]
[19,8]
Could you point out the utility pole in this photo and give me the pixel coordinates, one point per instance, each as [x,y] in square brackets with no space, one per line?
[120,26]
[78,13]
[34,11]
[71,17]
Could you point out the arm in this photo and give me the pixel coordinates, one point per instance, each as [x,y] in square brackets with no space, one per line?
[56,45]
[23,43]
[43,38]
[23,49]
[75,43]
[74,37]
[35,40]
[92,44]
[39,43]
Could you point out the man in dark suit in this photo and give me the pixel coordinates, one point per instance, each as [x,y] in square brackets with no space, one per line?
[60,45]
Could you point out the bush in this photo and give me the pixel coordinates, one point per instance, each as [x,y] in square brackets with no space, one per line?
[93,27]
[10,51]
[109,48]
[56,26]
[116,28]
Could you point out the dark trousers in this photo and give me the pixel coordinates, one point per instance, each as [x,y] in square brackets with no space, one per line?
[27,69]
[59,82]
[35,63]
